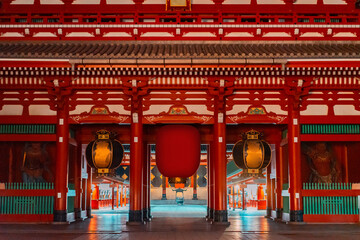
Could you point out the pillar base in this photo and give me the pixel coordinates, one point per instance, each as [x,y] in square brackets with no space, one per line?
[163,197]
[279,213]
[211,214]
[77,212]
[88,213]
[296,216]
[149,214]
[268,212]
[220,216]
[136,217]
[60,216]
[195,197]
[145,214]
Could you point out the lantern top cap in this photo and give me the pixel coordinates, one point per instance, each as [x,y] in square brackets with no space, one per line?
[103,134]
[252,134]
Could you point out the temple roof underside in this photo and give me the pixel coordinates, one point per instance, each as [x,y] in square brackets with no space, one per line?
[179,50]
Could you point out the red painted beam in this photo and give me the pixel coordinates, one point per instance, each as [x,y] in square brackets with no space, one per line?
[26,218]
[330,193]
[27,120]
[330,137]
[26,192]
[338,218]
[27,137]
[330,119]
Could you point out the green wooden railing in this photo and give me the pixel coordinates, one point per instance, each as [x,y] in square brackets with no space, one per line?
[26,204]
[327,186]
[330,129]
[27,129]
[330,204]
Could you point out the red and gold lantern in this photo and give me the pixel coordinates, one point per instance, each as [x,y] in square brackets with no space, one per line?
[178,152]
[105,153]
[252,154]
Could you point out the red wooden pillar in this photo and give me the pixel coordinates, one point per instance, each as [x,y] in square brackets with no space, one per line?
[296,213]
[149,183]
[78,178]
[243,198]
[89,192]
[210,172]
[62,157]
[117,196]
[279,180]
[136,166]
[146,182]
[195,186]
[220,193]
[113,196]
[233,196]
[268,193]
[163,185]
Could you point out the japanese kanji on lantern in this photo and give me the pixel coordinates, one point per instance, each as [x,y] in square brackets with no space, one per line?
[105,153]
[177,152]
[252,154]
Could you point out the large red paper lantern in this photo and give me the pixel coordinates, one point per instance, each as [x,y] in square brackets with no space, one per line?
[178,150]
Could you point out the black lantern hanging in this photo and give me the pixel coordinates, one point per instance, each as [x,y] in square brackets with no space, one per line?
[105,153]
[252,154]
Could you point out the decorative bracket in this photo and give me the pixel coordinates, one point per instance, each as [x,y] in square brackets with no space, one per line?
[221,88]
[135,89]
[296,89]
[59,90]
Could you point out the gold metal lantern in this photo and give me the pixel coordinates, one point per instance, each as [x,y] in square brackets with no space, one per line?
[252,154]
[104,153]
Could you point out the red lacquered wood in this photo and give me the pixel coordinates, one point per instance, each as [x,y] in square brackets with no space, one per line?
[38,218]
[331,218]
[330,193]
[26,193]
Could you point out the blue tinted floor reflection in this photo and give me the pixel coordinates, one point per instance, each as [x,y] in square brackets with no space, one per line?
[180,223]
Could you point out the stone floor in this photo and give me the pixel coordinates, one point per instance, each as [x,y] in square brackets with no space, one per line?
[179,223]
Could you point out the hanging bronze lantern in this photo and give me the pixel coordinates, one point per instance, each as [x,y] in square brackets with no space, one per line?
[252,154]
[105,153]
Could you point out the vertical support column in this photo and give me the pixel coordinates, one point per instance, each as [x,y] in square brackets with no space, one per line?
[195,186]
[11,163]
[296,213]
[149,183]
[346,164]
[211,189]
[163,185]
[62,157]
[268,192]
[121,195]
[220,213]
[117,196]
[233,196]
[146,181]
[243,199]
[78,178]
[125,195]
[279,180]
[112,196]
[136,166]
[89,192]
